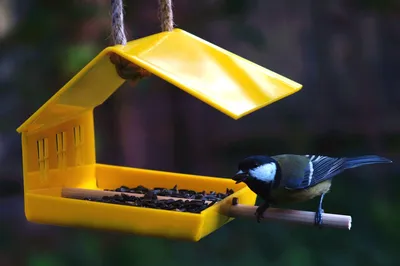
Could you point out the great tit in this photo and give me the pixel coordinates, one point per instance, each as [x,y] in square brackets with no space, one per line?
[290,178]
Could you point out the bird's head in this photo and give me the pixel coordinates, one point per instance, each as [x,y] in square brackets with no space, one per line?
[260,168]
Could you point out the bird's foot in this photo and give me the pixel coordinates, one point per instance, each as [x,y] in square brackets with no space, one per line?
[259,216]
[318,218]
[260,212]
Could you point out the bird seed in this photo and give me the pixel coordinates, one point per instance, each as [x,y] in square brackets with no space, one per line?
[195,203]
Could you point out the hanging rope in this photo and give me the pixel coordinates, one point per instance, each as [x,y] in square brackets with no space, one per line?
[117,22]
[165,15]
[125,68]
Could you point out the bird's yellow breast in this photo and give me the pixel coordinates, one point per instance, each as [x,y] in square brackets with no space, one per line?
[284,196]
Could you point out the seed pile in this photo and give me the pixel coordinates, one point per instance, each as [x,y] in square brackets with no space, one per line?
[196,204]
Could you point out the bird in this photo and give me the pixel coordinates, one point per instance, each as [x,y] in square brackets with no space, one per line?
[291,178]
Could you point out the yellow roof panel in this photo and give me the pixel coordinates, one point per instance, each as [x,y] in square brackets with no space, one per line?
[229,83]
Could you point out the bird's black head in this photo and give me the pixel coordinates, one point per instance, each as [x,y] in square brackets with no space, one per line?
[259,167]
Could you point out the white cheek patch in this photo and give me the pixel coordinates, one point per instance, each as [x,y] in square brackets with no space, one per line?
[265,172]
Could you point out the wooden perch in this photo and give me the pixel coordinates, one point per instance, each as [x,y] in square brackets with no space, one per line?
[291,216]
[235,210]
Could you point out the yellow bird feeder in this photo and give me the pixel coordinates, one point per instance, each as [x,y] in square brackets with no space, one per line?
[58,141]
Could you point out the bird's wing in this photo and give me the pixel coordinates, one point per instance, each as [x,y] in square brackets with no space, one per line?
[320,168]
[303,171]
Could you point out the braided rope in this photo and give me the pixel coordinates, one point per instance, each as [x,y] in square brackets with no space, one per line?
[125,68]
[117,22]
[166,15]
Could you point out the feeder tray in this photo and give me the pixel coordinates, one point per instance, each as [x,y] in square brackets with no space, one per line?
[58,142]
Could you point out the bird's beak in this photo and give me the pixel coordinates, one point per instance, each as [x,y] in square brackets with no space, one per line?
[240,177]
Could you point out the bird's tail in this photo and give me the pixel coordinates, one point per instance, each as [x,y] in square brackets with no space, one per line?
[364,160]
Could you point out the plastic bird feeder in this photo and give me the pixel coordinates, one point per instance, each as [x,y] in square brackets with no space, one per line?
[58,142]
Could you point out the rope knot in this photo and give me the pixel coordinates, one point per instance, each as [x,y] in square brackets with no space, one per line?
[125,69]
[128,70]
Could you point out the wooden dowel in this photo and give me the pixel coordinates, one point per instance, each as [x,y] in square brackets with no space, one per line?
[234,210]
[291,216]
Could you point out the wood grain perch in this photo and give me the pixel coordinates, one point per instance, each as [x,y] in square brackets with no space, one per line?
[291,216]
[235,210]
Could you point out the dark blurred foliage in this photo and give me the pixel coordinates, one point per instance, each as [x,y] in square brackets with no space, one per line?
[346,55]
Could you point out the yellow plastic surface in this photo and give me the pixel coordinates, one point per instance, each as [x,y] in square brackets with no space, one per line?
[46,205]
[229,83]
[58,141]
[64,156]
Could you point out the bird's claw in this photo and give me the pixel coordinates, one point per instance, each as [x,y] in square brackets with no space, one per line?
[259,216]
[318,218]
[318,214]
[260,212]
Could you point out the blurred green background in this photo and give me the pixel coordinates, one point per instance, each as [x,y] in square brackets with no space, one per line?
[346,55]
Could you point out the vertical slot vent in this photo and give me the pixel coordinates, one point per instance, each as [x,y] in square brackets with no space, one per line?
[77,136]
[43,157]
[78,144]
[61,146]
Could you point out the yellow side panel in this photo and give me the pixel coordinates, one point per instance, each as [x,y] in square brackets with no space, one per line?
[61,155]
